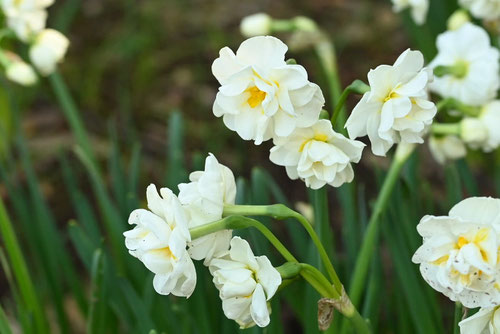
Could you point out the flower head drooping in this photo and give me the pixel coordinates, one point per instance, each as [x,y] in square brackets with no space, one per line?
[397,108]
[485,321]
[204,198]
[48,49]
[483,9]
[159,240]
[482,132]
[459,255]
[466,66]
[318,155]
[447,148]
[245,283]
[261,96]
[419,8]
[26,17]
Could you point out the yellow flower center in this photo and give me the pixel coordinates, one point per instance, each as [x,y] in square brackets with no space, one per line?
[166,252]
[480,236]
[317,137]
[256,96]
[391,95]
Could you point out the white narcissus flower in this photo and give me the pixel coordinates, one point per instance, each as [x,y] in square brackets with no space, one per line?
[459,254]
[447,148]
[485,321]
[49,48]
[245,283]
[261,96]
[159,240]
[419,8]
[25,17]
[256,25]
[204,199]
[18,71]
[397,108]
[474,61]
[483,132]
[318,155]
[483,9]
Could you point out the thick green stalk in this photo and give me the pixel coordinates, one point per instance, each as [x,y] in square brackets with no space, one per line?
[403,152]
[70,111]
[280,212]
[21,273]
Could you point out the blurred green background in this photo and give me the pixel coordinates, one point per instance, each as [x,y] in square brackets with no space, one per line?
[140,73]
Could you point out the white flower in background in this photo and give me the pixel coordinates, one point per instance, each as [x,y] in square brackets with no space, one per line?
[397,108]
[159,241]
[447,148]
[204,198]
[18,71]
[483,132]
[245,283]
[261,96]
[26,17]
[485,321]
[474,63]
[459,254]
[318,155]
[483,9]
[48,49]
[256,25]
[419,8]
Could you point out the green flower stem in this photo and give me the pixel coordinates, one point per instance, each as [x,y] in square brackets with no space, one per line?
[311,274]
[457,318]
[21,273]
[240,222]
[71,113]
[357,87]
[280,212]
[358,283]
[451,103]
[446,129]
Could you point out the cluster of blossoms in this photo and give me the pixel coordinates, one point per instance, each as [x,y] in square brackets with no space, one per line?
[263,97]
[467,77]
[26,20]
[162,241]
[460,258]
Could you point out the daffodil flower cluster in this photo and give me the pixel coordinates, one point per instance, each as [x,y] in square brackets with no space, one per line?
[263,97]
[26,21]
[162,241]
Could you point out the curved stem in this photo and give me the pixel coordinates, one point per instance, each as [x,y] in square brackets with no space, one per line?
[403,152]
[239,222]
[280,212]
[457,318]
[357,87]
[446,129]
[311,274]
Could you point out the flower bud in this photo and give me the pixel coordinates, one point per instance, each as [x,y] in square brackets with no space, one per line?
[256,25]
[18,71]
[473,131]
[49,49]
[457,19]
